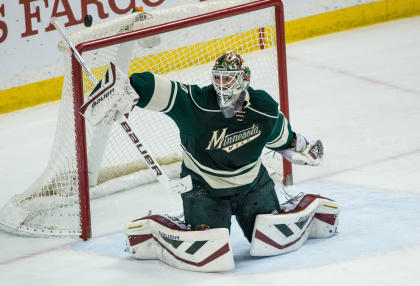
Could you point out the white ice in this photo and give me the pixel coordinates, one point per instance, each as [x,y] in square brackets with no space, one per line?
[357,90]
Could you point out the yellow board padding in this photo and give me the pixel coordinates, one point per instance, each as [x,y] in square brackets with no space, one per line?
[296,30]
[198,54]
[31,94]
[350,18]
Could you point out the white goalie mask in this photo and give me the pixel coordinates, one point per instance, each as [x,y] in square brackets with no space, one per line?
[230,79]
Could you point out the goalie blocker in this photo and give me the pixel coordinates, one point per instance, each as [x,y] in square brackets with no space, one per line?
[111,95]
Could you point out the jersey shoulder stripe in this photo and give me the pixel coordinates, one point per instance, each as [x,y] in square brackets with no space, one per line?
[195,101]
[282,138]
[156,92]
[262,103]
[172,98]
[262,113]
[162,94]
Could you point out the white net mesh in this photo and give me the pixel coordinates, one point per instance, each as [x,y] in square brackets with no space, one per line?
[50,205]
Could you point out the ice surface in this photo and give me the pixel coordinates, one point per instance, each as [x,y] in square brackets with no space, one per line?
[357,90]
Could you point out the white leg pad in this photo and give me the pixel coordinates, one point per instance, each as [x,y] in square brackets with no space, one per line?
[313,217]
[157,237]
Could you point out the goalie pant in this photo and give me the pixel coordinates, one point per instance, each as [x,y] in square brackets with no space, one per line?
[209,250]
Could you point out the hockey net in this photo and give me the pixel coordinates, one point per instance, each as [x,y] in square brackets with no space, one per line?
[179,43]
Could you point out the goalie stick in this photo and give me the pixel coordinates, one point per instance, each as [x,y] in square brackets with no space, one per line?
[178,186]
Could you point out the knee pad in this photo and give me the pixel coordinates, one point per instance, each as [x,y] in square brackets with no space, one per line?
[160,237]
[313,217]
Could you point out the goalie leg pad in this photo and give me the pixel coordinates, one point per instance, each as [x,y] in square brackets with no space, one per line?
[313,217]
[159,237]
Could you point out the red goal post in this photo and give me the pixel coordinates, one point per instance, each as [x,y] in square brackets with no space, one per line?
[58,203]
[156,30]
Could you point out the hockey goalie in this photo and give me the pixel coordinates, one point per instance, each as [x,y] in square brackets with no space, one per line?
[223,128]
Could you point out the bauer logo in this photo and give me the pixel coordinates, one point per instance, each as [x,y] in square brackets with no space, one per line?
[102,97]
[143,151]
[166,222]
[304,202]
[168,236]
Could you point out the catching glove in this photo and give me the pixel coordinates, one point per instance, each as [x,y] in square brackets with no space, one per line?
[304,151]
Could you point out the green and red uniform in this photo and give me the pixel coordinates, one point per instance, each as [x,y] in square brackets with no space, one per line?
[223,156]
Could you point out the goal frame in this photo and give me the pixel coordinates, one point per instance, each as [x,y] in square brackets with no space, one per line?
[77,78]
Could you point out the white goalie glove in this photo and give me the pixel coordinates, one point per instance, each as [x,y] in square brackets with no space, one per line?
[304,152]
[111,95]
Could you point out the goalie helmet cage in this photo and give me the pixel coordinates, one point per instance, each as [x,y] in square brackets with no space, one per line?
[181,43]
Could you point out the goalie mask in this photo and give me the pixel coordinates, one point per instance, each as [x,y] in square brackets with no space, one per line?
[230,79]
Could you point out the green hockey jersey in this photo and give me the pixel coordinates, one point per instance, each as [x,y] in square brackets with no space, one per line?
[223,154]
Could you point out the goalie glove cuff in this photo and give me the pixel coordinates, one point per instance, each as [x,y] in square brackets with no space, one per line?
[300,142]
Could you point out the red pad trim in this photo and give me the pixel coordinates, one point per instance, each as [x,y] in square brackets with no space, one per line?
[162,221]
[165,222]
[137,239]
[306,201]
[223,250]
[327,218]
